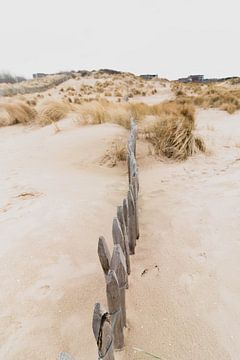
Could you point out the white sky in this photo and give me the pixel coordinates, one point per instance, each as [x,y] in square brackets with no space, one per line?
[172,38]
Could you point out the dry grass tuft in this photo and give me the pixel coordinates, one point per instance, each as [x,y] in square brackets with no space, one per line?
[51,111]
[116,154]
[98,112]
[172,135]
[16,113]
[208,96]
[200,144]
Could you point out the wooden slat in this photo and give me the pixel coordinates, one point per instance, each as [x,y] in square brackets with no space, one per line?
[104,254]
[121,219]
[118,239]
[117,234]
[118,266]
[134,190]
[114,307]
[103,333]
[131,223]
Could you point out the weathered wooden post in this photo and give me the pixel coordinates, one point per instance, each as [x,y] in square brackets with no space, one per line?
[103,333]
[125,213]
[128,164]
[118,238]
[104,255]
[135,196]
[118,265]
[114,307]
[131,223]
[117,234]
[126,218]
[121,220]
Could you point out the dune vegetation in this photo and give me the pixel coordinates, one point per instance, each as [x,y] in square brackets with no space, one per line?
[172,134]
[169,126]
[208,96]
[17,112]
[52,111]
[171,131]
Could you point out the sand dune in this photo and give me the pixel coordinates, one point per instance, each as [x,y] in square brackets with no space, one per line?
[184,288]
[56,200]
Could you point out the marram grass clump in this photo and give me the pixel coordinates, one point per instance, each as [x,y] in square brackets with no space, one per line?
[16,112]
[172,134]
[52,111]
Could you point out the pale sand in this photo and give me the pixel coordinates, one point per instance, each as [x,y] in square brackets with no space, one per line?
[186,304]
[50,275]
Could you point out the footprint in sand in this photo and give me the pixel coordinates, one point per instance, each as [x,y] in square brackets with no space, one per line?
[44,289]
[156,193]
[202,257]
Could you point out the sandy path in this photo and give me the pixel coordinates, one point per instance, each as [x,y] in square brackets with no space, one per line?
[49,270]
[186,305]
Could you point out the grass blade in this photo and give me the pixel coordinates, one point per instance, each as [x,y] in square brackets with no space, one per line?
[148,353]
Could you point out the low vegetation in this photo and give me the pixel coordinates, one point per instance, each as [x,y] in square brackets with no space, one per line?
[117,153]
[52,111]
[208,96]
[172,134]
[16,113]
[171,131]
[168,126]
[98,112]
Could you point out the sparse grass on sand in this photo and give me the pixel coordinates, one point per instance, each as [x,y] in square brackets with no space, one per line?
[172,134]
[16,113]
[208,96]
[116,153]
[52,111]
[98,112]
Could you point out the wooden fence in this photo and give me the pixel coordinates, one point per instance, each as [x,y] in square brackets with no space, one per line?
[108,325]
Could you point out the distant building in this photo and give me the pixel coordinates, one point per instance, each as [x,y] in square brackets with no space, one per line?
[192,78]
[148,76]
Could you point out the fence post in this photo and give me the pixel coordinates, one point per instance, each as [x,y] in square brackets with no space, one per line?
[108,326]
[119,267]
[114,307]
[128,164]
[135,195]
[122,222]
[104,255]
[131,223]
[118,238]
[117,234]
[102,330]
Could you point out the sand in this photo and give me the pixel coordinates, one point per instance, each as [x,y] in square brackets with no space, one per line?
[56,199]
[183,298]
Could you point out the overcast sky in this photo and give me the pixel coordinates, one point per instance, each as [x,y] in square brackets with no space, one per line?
[172,38]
